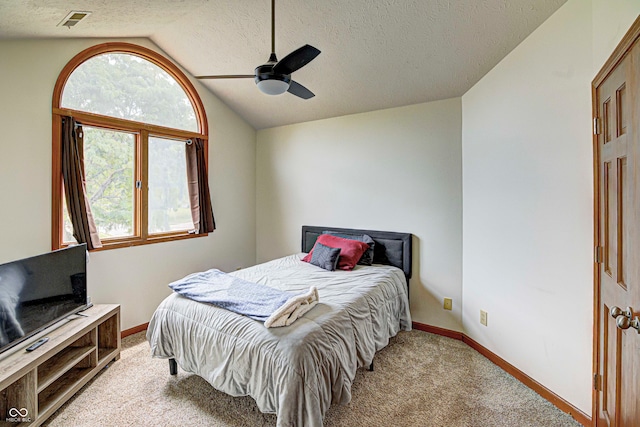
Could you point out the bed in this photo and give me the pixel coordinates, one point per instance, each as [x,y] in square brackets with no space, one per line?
[299,370]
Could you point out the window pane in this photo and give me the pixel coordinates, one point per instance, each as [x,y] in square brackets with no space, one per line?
[67,228]
[169,208]
[109,158]
[129,87]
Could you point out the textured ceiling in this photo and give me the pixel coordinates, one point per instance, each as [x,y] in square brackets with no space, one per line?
[375,53]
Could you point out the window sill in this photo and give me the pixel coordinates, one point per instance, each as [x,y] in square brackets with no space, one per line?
[128,242]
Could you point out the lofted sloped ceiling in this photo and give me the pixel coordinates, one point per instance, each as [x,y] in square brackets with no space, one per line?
[375,53]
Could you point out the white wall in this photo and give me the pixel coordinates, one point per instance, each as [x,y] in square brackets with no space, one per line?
[136,277]
[611,20]
[528,197]
[397,169]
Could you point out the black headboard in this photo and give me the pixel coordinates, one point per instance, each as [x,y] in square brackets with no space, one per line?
[391,248]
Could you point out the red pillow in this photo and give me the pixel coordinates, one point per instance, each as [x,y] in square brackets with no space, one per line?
[350,250]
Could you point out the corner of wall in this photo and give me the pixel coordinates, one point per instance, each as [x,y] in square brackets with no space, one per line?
[525,207]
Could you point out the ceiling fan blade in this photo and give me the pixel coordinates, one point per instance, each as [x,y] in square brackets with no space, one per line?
[296,60]
[297,89]
[231,76]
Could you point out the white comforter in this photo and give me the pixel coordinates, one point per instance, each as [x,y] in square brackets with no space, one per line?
[297,371]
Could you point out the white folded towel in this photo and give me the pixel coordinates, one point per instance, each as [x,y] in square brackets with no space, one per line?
[294,308]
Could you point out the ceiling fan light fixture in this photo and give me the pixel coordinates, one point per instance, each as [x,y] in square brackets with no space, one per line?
[273,86]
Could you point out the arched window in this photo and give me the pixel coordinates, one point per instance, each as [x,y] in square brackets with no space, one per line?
[129,151]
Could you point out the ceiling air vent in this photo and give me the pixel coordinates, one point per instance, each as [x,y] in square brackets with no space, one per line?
[73,18]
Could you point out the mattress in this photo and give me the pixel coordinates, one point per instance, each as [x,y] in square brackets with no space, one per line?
[297,371]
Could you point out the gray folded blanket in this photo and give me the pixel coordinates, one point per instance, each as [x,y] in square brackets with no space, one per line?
[271,306]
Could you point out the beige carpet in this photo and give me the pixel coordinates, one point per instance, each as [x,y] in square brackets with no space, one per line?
[420,379]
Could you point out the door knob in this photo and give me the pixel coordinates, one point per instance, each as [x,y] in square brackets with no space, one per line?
[617,312]
[623,322]
[625,319]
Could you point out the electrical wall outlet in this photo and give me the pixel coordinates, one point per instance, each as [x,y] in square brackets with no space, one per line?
[448,303]
[483,317]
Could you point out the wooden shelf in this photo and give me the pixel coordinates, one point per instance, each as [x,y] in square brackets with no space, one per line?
[55,393]
[43,380]
[57,366]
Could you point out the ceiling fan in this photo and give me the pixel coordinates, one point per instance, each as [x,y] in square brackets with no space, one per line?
[274,77]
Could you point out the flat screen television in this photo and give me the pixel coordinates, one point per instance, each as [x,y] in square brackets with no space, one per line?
[39,291]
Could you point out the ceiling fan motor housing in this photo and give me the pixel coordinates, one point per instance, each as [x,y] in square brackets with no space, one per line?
[270,83]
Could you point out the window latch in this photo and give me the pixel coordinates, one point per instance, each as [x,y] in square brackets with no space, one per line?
[138,185]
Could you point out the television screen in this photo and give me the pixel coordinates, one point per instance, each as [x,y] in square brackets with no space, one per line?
[39,291]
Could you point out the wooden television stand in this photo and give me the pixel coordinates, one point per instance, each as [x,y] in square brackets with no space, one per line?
[33,385]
